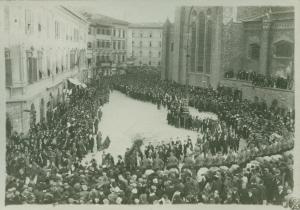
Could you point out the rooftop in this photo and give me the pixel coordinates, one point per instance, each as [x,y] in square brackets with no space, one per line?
[75,13]
[146,25]
[99,19]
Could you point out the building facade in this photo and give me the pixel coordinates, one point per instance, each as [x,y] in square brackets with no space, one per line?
[43,48]
[263,43]
[192,46]
[107,38]
[206,42]
[145,44]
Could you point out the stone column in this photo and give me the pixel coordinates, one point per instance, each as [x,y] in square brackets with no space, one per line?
[264,47]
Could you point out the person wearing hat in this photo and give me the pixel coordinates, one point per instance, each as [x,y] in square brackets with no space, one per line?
[158,164]
[172,161]
[143,199]
[106,201]
[133,194]
[152,194]
[189,162]
[146,163]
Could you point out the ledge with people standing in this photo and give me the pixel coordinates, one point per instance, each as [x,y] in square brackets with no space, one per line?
[260,80]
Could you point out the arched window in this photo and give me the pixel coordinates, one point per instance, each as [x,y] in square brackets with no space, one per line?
[192,41]
[201,37]
[284,49]
[8,69]
[208,45]
[193,46]
[254,50]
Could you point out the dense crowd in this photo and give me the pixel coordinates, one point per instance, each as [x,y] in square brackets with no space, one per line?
[261,80]
[67,136]
[253,121]
[46,165]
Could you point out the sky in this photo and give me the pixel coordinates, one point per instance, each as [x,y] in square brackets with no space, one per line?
[137,11]
[134,11]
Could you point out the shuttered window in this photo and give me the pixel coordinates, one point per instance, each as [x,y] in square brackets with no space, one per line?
[8,70]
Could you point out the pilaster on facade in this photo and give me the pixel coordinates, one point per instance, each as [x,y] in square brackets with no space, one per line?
[264,48]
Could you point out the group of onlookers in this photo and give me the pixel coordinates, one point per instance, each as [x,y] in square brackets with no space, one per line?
[45,166]
[261,80]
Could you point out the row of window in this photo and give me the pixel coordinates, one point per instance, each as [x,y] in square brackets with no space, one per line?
[60,29]
[150,43]
[35,65]
[116,45]
[103,31]
[107,31]
[150,53]
[106,58]
[144,35]
[281,49]
[103,44]
[149,63]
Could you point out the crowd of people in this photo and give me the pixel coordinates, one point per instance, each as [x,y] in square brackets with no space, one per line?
[261,80]
[46,165]
[67,135]
[237,118]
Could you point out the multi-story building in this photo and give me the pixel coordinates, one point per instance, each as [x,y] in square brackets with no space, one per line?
[206,42]
[44,46]
[145,44]
[106,45]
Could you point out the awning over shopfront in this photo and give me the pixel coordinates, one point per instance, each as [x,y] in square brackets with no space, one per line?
[77,82]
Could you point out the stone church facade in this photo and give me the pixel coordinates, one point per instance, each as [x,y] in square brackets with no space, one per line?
[191,44]
[204,43]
